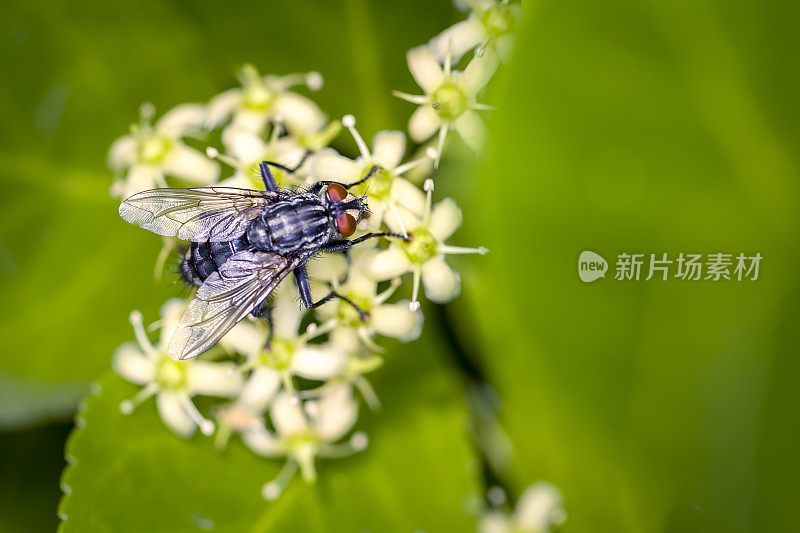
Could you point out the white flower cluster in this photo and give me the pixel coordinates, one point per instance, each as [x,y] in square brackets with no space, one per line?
[538,510]
[292,396]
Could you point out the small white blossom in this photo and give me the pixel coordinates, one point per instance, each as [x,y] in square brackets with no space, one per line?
[388,319]
[388,193]
[305,431]
[287,355]
[173,383]
[490,25]
[143,158]
[262,98]
[450,99]
[424,254]
[539,509]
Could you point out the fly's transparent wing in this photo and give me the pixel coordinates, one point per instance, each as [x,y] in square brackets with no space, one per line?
[226,297]
[202,214]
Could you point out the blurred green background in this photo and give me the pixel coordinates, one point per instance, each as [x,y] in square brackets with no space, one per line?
[621,127]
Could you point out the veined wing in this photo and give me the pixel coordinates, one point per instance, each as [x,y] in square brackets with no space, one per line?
[226,297]
[200,214]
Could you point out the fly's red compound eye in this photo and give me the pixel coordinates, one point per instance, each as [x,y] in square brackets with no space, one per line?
[346,224]
[336,193]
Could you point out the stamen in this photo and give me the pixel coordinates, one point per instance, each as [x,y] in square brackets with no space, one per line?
[430,154]
[213,153]
[448,58]
[270,491]
[126,407]
[482,107]
[349,122]
[137,322]
[396,213]
[161,260]
[223,436]
[314,330]
[382,297]
[146,113]
[447,249]
[363,335]
[427,186]
[440,145]
[206,426]
[357,443]
[419,99]
[286,378]
[314,80]
[368,393]
[414,303]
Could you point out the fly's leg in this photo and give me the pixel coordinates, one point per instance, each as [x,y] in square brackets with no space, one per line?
[338,246]
[269,180]
[264,312]
[304,287]
[320,184]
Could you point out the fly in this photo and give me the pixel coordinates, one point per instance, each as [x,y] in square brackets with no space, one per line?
[244,243]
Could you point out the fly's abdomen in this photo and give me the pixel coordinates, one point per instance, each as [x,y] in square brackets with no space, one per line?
[204,258]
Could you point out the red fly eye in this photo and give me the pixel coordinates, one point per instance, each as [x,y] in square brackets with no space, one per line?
[336,192]
[346,224]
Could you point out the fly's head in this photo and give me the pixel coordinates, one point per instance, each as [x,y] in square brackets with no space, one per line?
[344,209]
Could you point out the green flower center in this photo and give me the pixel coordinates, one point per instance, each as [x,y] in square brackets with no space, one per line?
[498,20]
[422,247]
[256,95]
[170,375]
[153,148]
[280,355]
[449,101]
[347,316]
[378,185]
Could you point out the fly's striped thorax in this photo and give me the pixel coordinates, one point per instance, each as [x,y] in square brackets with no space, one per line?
[299,223]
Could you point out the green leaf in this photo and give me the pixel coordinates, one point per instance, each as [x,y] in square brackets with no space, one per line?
[645,128]
[70,269]
[131,473]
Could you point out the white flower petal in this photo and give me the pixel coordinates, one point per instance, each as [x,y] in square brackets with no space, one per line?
[130,363]
[287,313]
[300,114]
[424,122]
[213,379]
[172,412]
[389,263]
[441,282]
[170,314]
[262,442]
[425,68]
[328,267]
[479,71]
[397,320]
[122,153]
[181,120]
[445,219]
[505,46]
[329,165]
[141,178]
[287,415]
[318,362]
[388,148]
[345,339]
[495,522]
[471,128]
[337,411]
[251,120]
[190,165]
[221,107]
[260,389]
[245,338]
[458,39]
[539,507]
[408,195]
[244,145]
